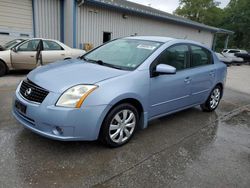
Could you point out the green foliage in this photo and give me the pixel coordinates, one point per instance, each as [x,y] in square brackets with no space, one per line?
[235,17]
[203,11]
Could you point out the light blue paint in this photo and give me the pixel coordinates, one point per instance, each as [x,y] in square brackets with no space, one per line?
[158,95]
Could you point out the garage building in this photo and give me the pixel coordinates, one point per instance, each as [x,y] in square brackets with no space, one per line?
[81,22]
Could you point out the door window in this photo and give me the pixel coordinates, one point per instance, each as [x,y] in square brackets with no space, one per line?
[176,56]
[30,45]
[51,45]
[200,56]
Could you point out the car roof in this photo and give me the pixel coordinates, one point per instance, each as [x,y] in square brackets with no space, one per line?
[232,49]
[164,39]
[152,38]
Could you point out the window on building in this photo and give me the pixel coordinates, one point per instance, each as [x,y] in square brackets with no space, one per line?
[176,56]
[106,36]
[200,56]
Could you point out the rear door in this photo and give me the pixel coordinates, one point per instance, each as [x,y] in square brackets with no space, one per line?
[52,52]
[202,69]
[25,55]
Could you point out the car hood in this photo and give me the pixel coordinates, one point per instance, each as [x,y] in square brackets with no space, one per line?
[59,76]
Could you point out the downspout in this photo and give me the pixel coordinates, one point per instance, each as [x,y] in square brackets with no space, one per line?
[226,42]
[214,41]
[33,18]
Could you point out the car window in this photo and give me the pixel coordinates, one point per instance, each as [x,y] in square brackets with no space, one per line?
[176,56]
[30,45]
[200,56]
[51,45]
[12,43]
[224,51]
[123,53]
[233,51]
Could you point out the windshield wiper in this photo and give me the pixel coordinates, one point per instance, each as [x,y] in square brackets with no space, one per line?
[100,62]
[112,66]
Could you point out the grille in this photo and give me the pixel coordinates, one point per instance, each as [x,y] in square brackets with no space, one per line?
[33,92]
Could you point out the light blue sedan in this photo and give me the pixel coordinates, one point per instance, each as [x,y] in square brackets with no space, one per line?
[117,88]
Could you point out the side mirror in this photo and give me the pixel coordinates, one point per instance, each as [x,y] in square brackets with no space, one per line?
[164,69]
[14,49]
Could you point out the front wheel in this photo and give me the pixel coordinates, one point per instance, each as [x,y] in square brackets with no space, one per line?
[119,125]
[3,69]
[213,100]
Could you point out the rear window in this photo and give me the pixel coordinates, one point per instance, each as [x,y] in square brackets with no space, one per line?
[200,56]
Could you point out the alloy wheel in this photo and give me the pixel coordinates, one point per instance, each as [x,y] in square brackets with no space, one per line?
[215,98]
[122,126]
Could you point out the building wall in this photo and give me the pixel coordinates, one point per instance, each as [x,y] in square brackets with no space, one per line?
[75,25]
[15,19]
[47,15]
[93,21]
[69,12]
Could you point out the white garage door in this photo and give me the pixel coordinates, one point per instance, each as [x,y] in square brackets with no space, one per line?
[48,19]
[15,19]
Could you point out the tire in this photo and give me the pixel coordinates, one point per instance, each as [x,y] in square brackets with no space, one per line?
[213,100]
[3,68]
[116,129]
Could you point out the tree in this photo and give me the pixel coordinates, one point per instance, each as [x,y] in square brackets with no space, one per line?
[237,19]
[203,11]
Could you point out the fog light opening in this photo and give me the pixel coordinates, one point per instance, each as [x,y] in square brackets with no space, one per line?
[57,131]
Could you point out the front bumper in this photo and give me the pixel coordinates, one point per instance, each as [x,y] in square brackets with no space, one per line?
[45,119]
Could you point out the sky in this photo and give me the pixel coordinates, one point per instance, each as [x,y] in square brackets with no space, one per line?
[170,5]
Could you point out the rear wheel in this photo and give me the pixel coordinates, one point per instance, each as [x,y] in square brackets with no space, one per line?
[3,68]
[119,125]
[213,100]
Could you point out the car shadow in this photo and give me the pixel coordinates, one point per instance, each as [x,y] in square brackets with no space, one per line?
[18,72]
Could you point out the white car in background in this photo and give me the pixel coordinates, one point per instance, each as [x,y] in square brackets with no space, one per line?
[35,52]
[11,44]
[227,60]
[231,54]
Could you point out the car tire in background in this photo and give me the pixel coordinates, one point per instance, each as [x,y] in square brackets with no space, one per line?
[213,100]
[119,125]
[3,68]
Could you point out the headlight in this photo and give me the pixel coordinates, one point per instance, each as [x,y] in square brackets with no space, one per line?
[75,96]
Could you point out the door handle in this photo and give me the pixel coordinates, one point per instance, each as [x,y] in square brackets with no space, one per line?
[187,80]
[32,56]
[212,73]
[63,54]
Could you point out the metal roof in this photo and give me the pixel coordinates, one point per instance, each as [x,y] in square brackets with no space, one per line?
[130,7]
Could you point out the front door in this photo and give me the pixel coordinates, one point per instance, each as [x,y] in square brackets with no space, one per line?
[25,55]
[171,92]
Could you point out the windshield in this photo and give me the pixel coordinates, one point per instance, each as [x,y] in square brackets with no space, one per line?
[12,43]
[125,54]
[220,55]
